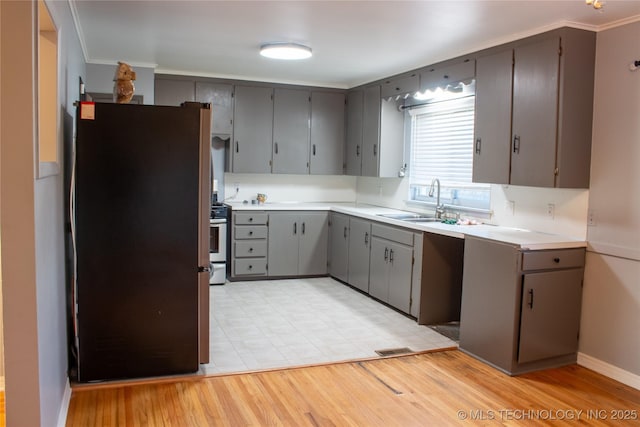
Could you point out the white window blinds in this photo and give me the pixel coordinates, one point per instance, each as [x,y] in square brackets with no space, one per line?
[442,142]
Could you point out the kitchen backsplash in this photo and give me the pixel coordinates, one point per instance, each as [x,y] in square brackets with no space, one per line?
[530,204]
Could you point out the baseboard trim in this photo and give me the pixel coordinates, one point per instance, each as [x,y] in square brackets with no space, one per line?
[608,370]
[64,406]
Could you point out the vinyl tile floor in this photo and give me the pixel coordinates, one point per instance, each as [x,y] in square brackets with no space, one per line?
[283,323]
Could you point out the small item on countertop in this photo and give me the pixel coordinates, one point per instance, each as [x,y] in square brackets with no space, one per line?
[261,198]
[467,221]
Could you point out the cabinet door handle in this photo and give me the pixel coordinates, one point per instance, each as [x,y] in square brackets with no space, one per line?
[366,238]
[386,254]
[375,149]
[276,147]
[303,228]
[391,255]
[357,150]
[295,228]
[516,144]
[314,149]
[478,145]
[237,147]
[345,232]
[530,303]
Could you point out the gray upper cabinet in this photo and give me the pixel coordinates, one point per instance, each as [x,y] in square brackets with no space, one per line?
[492,155]
[291,109]
[535,111]
[339,246]
[551,108]
[327,133]
[443,75]
[371,131]
[220,96]
[355,103]
[252,129]
[173,92]
[400,86]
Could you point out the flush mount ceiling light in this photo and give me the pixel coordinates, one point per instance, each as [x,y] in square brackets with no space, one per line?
[285,51]
[597,4]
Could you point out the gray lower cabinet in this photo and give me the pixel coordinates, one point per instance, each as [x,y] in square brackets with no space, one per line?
[339,246]
[391,266]
[252,130]
[298,243]
[359,253]
[520,309]
[249,245]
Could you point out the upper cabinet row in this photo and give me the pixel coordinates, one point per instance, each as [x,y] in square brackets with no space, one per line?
[534,107]
[271,130]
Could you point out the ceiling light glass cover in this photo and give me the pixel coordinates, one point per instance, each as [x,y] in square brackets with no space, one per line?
[285,51]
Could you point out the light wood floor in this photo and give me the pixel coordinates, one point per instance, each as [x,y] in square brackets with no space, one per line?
[441,388]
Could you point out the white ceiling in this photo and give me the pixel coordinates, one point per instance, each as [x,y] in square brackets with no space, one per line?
[353,42]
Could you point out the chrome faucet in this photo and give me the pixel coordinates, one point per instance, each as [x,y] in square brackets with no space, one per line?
[439,207]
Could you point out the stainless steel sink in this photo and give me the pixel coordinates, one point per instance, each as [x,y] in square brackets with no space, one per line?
[423,219]
[410,217]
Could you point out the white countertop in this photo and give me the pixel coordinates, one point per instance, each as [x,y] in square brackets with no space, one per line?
[525,239]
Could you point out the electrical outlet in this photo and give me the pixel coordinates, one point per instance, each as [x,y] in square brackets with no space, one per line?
[591,218]
[236,186]
[551,210]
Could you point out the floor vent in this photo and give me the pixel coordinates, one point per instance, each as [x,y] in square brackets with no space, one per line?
[394,351]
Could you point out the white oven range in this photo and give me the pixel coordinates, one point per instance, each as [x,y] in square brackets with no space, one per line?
[217,250]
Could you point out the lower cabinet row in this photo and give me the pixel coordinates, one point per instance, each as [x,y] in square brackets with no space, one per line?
[278,244]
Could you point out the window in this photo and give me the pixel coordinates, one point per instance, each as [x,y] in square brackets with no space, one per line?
[442,148]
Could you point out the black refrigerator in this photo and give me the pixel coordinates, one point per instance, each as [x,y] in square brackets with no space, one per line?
[141,199]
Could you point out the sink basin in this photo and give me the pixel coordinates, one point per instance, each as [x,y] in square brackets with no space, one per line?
[423,219]
[410,217]
[401,216]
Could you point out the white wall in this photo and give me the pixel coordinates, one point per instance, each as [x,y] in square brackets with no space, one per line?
[288,188]
[570,206]
[33,282]
[100,79]
[611,303]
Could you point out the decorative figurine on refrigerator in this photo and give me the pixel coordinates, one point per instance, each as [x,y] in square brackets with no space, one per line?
[123,89]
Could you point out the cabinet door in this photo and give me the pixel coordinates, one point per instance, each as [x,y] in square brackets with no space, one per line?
[220,96]
[535,112]
[313,232]
[173,92]
[371,131]
[252,130]
[291,131]
[400,274]
[359,251]
[355,102]
[379,269]
[283,244]
[327,133]
[339,247]
[391,145]
[550,317]
[492,154]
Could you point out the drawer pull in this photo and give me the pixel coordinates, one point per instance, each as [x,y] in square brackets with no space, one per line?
[251,219]
[250,267]
[250,233]
[556,260]
[250,249]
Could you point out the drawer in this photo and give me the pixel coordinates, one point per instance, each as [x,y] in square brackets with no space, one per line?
[249,232]
[249,218]
[394,234]
[250,267]
[553,259]
[250,248]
